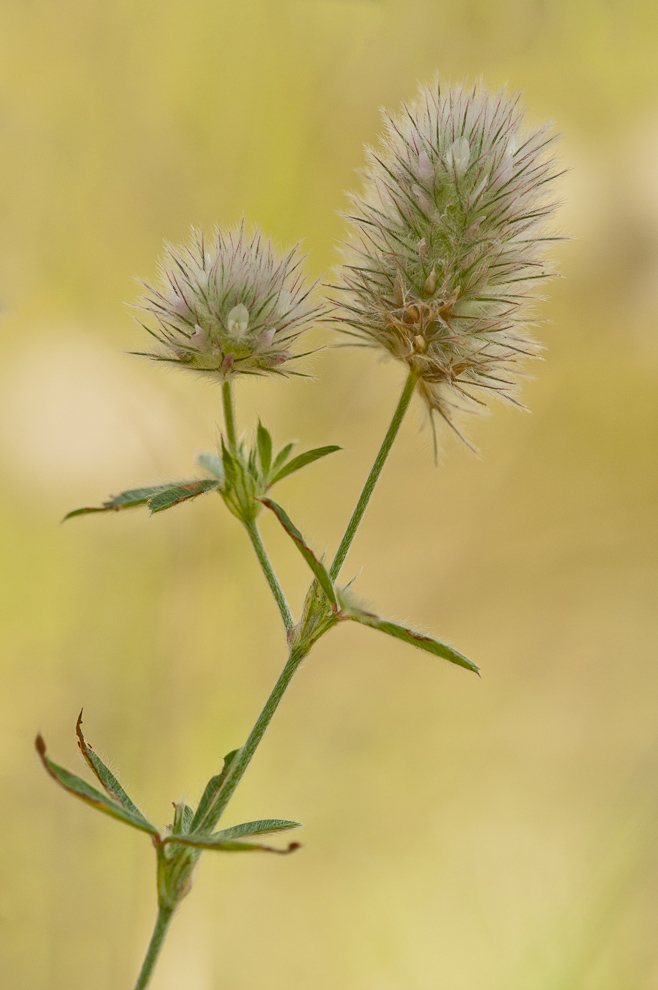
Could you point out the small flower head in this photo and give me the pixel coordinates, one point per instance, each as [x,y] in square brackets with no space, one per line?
[230,304]
[447,242]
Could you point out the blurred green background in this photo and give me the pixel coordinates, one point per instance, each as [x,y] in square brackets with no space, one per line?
[460,834]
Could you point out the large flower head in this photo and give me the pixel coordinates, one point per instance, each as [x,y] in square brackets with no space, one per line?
[447,243]
[230,304]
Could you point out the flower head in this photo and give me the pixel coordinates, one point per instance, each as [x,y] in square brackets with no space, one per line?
[230,304]
[447,242]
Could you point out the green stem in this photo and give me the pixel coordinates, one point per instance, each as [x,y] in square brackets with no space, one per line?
[255,537]
[165,914]
[244,756]
[229,416]
[373,477]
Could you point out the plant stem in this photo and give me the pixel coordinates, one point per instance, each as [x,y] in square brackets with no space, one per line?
[280,598]
[229,416]
[165,913]
[245,754]
[373,477]
[243,758]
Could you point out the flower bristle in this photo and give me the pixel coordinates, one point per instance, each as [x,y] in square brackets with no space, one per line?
[447,242]
[230,304]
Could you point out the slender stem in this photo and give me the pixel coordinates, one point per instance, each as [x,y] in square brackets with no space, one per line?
[229,416]
[268,571]
[243,758]
[165,913]
[373,477]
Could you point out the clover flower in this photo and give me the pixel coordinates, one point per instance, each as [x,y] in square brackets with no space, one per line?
[447,242]
[230,304]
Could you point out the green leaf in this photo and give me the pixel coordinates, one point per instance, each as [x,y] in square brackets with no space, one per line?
[316,565]
[126,500]
[180,493]
[183,817]
[212,789]
[228,845]
[426,643]
[282,456]
[231,470]
[264,441]
[213,464]
[105,775]
[302,460]
[255,828]
[81,789]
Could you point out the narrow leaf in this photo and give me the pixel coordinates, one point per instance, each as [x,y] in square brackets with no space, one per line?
[80,788]
[212,789]
[282,456]
[228,845]
[126,500]
[105,775]
[302,460]
[180,493]
[230,465]
[264,441]
[255,828]
[427,643]
[213,464]
[316,565]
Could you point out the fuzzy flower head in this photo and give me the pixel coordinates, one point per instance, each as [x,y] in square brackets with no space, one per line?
[447,243]
[230,304]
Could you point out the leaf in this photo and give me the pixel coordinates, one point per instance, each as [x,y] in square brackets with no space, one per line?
[230,466]
[105,776]
[282,456]
[212,789]
[126,500]
[228,845]
[255,828]
[180,493]
[264,442]
[183,817]
[80,788]
[302,460]
[426,643]
[213,464]
[316,565]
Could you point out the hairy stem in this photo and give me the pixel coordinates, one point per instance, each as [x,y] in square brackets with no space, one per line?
[244,756]
[229,416]
[373,477]
[165,914]
[280,598]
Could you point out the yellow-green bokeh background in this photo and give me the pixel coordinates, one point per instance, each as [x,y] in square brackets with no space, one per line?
[460,834]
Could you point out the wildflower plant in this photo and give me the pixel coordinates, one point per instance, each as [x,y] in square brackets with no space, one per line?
[447,242]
